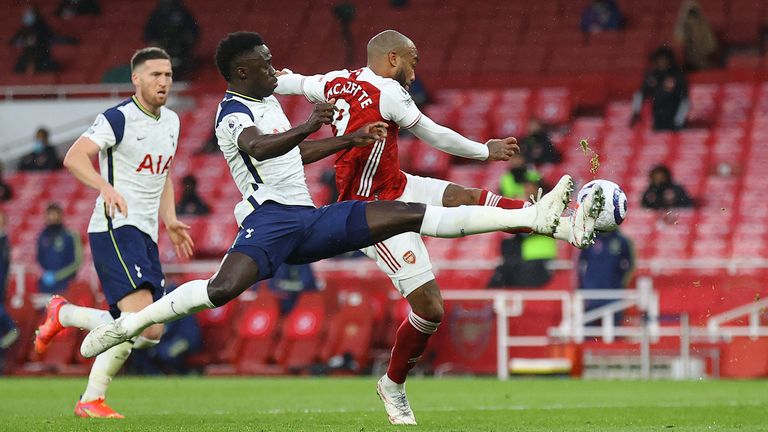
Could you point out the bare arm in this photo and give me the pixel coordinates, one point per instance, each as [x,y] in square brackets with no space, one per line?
[78,162]
[177,230]
[168,202]
[262,147]
[313,151]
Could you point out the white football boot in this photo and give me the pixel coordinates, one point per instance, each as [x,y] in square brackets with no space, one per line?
[550,207]
[579,227]
[103,338]
[395,402]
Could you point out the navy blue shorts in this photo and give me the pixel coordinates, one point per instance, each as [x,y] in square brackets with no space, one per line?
[126,259]
[275,233]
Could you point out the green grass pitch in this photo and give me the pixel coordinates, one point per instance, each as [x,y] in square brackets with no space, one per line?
[458,404]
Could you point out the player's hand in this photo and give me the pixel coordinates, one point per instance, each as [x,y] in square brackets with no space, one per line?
[321,115]
[182,242]
[502,149]
[369,134]
[113,201]
[284,71]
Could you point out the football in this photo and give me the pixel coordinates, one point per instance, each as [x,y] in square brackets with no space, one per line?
[616,206]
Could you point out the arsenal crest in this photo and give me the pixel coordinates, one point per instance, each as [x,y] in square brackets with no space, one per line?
[409,257]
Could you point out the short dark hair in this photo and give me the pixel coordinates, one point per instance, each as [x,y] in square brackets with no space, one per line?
[53,207]
[148,53]
[233,46]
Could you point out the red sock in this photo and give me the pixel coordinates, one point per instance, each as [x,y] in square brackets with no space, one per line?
[490,199]
[410,342]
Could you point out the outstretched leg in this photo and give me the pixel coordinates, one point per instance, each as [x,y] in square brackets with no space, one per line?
[236,273]
[382,219]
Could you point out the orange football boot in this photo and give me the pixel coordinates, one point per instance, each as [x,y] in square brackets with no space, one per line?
[52,326]
[96,409]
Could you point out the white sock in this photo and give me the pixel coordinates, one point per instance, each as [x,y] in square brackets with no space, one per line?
[185,300]
[83,317]
[143,343]
[563,231]
[105,368]
[466,220]
[391,385]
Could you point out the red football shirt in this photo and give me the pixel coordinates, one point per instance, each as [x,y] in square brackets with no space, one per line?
[362,97]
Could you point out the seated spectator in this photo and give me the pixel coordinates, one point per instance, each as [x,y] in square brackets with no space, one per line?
[6,192]
[667,87]
[663,193]
[537,148]
[172,27]
[34,38]
[59,253]
[608,264]
[694,36]
[43,156]
[71,8]
[191,203]
[601,15]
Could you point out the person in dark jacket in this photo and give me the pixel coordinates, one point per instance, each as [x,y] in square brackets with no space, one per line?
[59,253]
[8,330]
[34,38]
[608,264]
[667,88]
[172,26]
[191,203]
[537,147]
[662,192]
[43,156]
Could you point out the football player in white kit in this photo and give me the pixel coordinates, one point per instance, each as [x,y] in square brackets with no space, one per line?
[136,142]
[278,222]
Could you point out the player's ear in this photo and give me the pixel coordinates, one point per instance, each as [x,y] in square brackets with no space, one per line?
[394,59]
[241,73]
[135,78]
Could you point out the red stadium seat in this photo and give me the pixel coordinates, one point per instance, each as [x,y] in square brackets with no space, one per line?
[301,337]
[217,326]
[349,334]
[256,332]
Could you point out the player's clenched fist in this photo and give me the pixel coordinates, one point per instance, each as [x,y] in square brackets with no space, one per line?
[113,201]
[369,134]
[502,149]
[321,115]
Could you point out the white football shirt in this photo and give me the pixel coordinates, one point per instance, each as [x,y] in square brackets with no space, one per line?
[137,150]
[280,179]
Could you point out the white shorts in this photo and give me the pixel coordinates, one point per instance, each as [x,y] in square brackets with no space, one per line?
[404,257]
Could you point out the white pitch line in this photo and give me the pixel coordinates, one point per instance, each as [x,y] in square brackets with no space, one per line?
[280,411]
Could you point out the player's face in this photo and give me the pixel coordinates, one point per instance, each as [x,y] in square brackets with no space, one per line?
[257,69]
[406,70]
[153,80]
